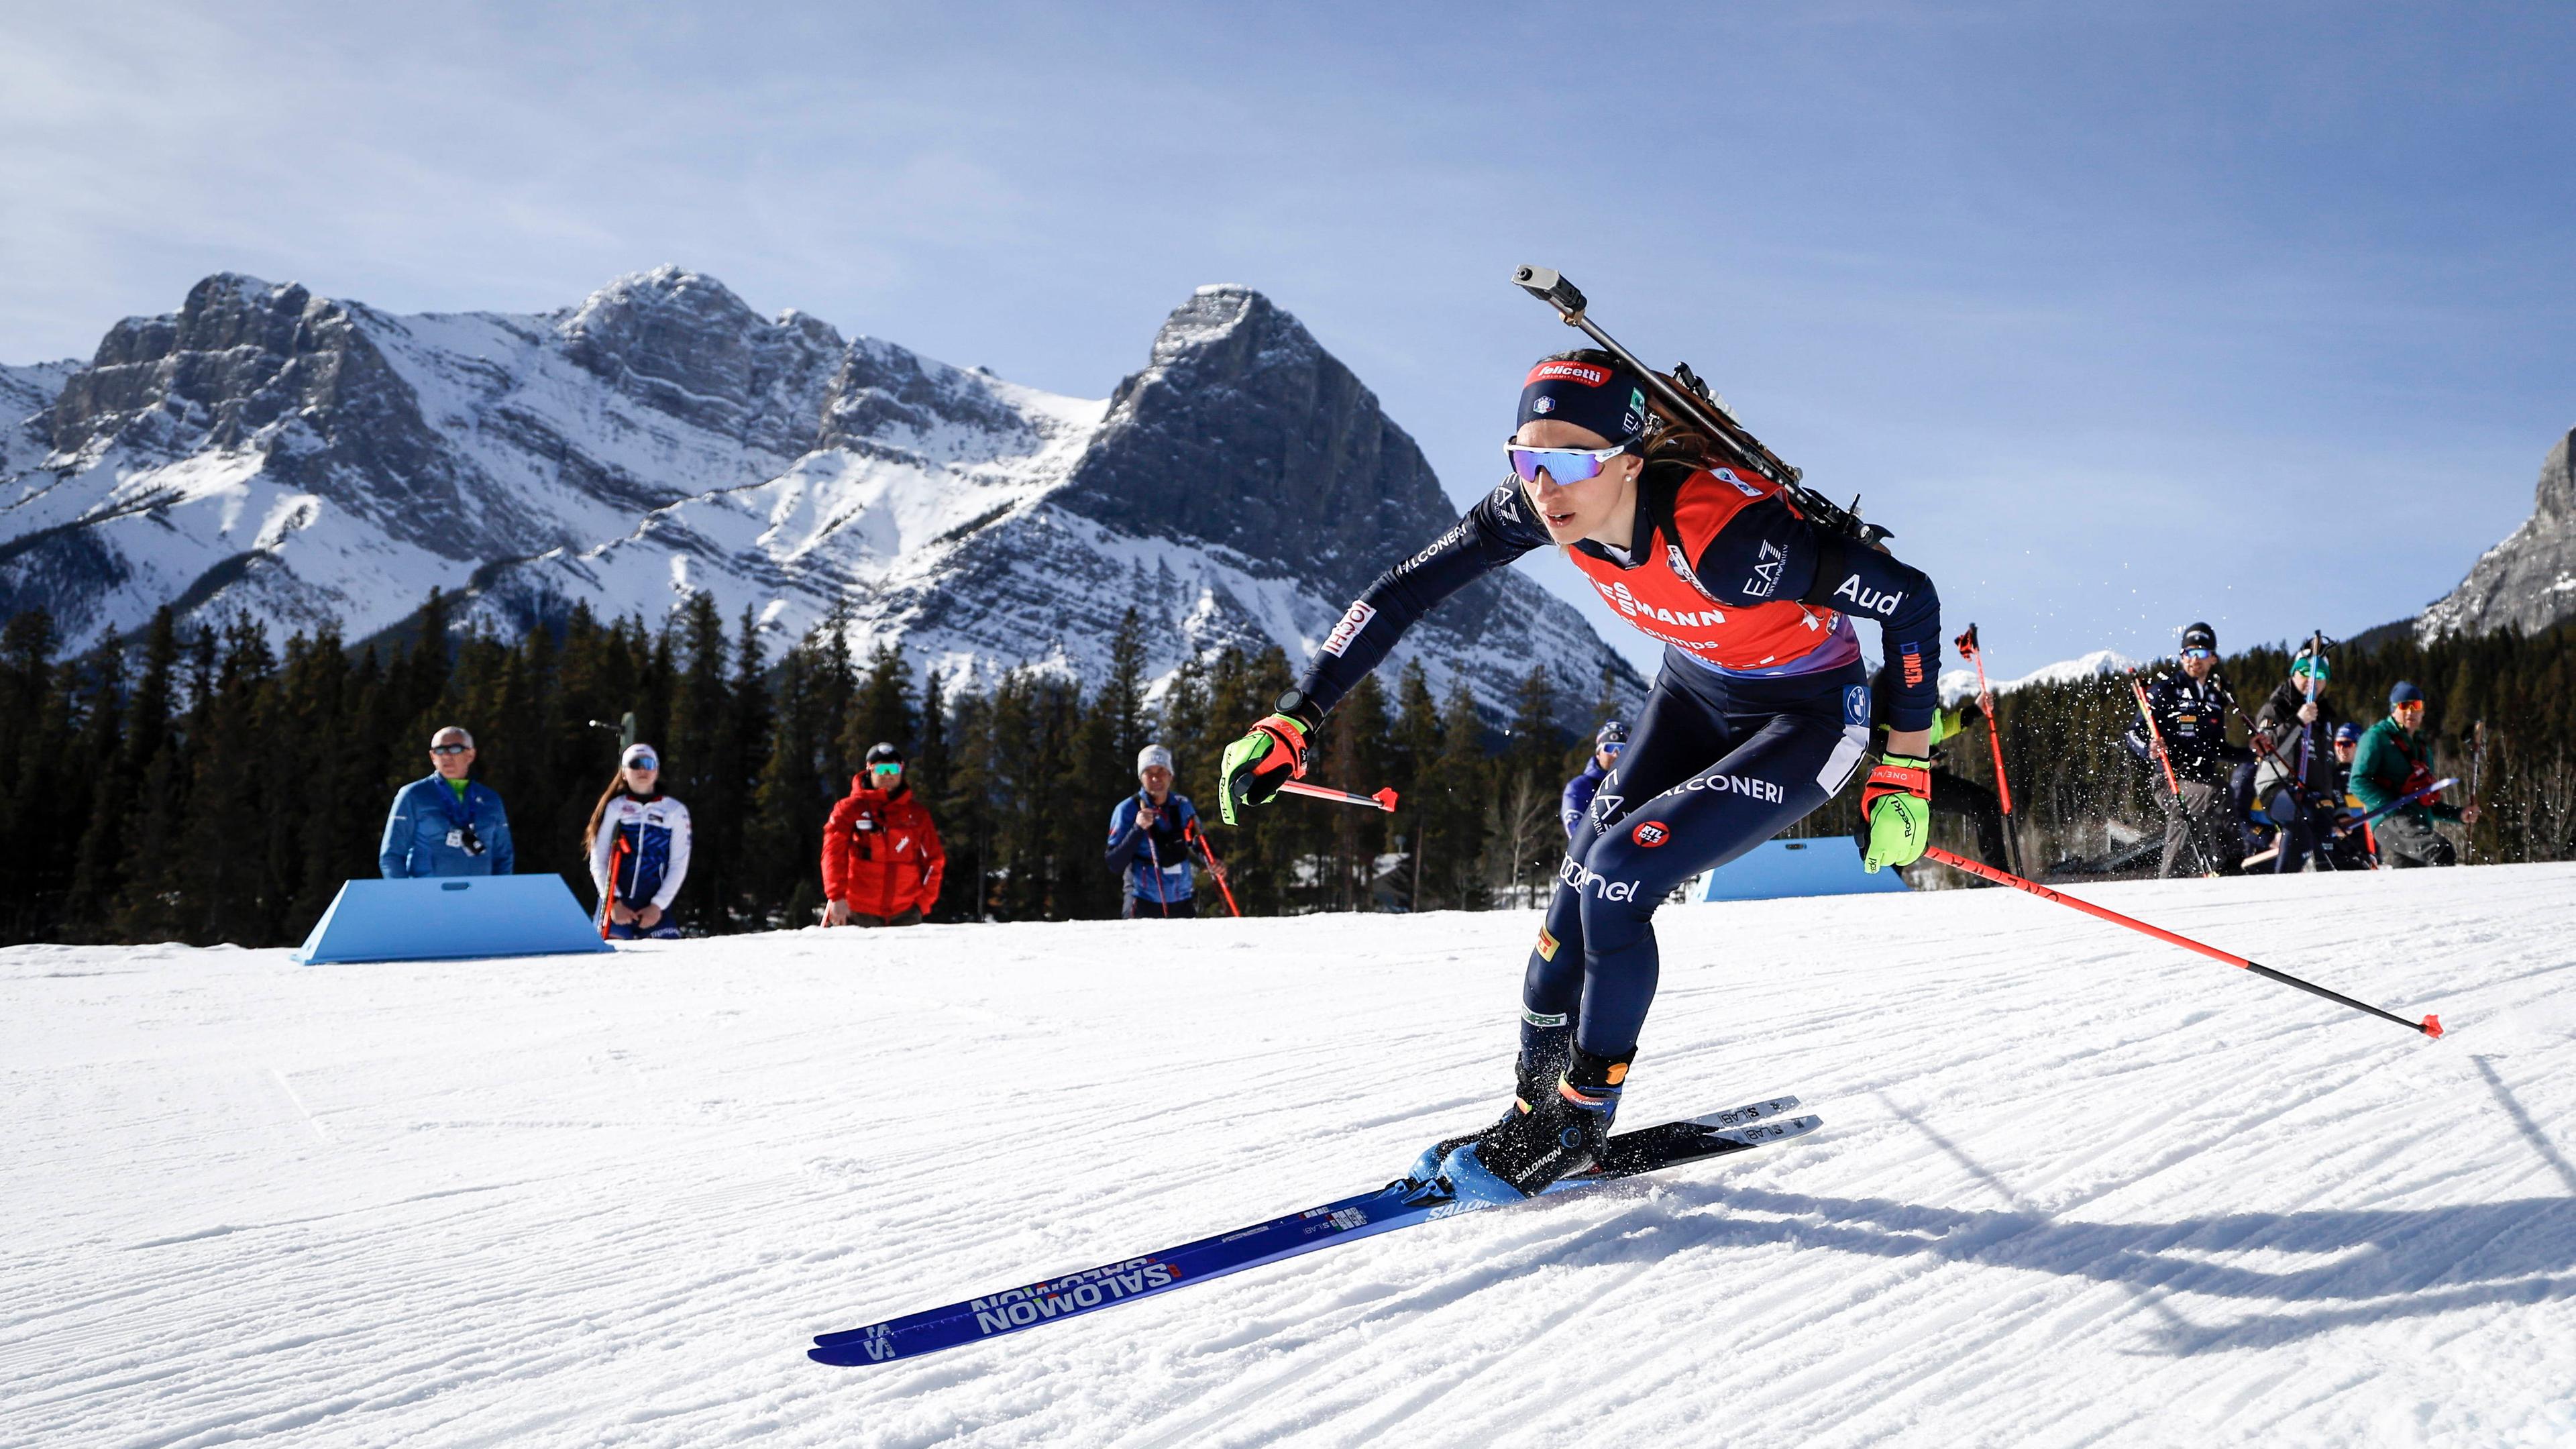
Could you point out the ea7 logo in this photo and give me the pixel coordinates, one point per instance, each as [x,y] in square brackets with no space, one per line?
[1868,599]
[1766,571]
[1650,833]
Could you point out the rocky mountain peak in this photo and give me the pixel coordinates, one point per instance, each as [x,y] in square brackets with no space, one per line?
[1243,431]
[239,355]
[683,343]
[2529,580]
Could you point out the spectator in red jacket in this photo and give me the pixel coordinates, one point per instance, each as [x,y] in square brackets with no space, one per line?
[881,856]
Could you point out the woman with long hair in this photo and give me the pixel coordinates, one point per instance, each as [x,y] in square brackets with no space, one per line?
[1760,714]
[638,844]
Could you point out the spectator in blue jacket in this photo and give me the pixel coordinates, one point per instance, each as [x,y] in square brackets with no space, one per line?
[1579,791]
[444,823]
[1149,841]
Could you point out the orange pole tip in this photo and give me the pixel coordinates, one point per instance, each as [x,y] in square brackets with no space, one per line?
[2432,1026]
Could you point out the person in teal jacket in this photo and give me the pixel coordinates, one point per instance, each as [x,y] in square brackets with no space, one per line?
[445,824]
[2395,761]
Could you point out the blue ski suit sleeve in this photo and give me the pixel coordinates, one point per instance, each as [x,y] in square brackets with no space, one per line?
[1578,796]
[1497,530]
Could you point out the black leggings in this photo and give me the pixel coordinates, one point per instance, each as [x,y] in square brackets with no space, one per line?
[1714,767]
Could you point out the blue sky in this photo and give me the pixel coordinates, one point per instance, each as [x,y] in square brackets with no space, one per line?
[2121,315]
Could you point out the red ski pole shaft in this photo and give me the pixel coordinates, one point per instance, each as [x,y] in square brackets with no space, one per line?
[1994,739]
[2429,1026]
[1216,868]
[1382,800]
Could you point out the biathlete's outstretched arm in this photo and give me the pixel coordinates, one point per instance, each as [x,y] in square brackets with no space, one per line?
[1765,553]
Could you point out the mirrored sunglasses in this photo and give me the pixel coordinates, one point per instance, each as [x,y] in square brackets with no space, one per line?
[451,749]
[1612,748]
[889,767]
[2199,654]
[1565,465]
[643,762]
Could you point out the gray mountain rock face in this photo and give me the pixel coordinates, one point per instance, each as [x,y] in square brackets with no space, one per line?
[314,461]
[246,366]
[684,344]
[1243,432]
[2529,580]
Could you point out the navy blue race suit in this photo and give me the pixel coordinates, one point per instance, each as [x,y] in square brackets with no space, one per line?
[1758,716]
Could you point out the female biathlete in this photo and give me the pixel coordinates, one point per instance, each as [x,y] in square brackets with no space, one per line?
[1759,715]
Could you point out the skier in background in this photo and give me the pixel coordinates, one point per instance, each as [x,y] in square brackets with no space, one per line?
[2294,775]
[445,824]
[2190,710]
[638,845]
[882,860]
[2393,761]
[1759,715]
[1606,745]
[1149,842]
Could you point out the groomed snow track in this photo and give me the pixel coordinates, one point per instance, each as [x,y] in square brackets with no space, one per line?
[2076,1187]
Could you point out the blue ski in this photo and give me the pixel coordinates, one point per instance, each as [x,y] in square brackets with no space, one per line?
[1397,1205]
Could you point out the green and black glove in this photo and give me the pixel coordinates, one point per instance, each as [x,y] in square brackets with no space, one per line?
[1897,803]
[1269,756]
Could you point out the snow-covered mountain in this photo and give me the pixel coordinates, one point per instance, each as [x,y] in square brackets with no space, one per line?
[1959,684]
[2529,580]
[315,460]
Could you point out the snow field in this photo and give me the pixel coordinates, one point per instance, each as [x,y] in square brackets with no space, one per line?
[2075,1186]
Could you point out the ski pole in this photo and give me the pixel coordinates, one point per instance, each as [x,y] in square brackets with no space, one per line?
[1382,800]
[1994,739]
[2400,803]
[1156,858]
[1216,868]
[1968,646]
[2429,1026]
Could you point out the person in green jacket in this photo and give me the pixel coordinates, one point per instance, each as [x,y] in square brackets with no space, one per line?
[2395,761]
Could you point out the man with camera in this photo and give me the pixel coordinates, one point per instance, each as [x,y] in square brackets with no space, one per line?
[444,823]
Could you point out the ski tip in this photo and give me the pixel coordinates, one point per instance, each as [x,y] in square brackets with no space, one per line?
[2432,1026]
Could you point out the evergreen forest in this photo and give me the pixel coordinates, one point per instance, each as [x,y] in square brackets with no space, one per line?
[209,784]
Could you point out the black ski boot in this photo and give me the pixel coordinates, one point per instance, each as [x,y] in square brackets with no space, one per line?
[1564,1132]
[1546,1046]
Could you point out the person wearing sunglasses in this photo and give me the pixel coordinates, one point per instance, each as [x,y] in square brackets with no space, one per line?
[2295,776]
[444,823]
[1759,715]
[882,860]
[1577,799]
[638,845]
[2190,704]
[2395,760]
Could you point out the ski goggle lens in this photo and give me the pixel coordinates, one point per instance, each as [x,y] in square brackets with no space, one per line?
[1565,465]
[1612,749]
[888,767]
[643,762]
[2199,654]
